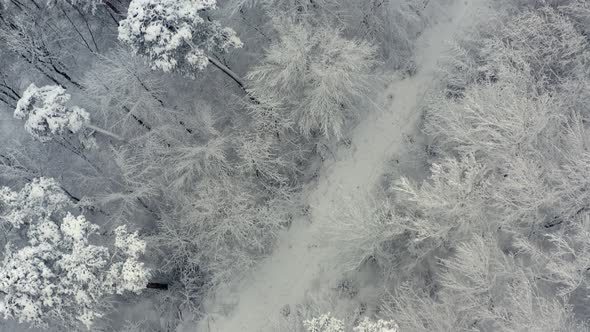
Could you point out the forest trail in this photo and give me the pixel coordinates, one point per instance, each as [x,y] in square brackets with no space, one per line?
[300,265]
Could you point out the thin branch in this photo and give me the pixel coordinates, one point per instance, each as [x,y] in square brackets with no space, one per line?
[88,27]
[105,132]
[76,29]
[228,72]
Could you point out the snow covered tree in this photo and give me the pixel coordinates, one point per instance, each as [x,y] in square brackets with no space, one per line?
[483,287]
[324,323]
[33,36]
[124,94]
[259,156]
[219,229]
[316,74]
[501,198]
[447,207]
[39,199]
[367,325]
[86,5]
[529,40]
[173,35]
[360,227]
[534,41]
[52,272]
[328,323]
[47,114]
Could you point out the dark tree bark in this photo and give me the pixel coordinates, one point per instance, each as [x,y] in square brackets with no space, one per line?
[157,285]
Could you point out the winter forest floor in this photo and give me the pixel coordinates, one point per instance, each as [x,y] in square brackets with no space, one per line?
[302,266]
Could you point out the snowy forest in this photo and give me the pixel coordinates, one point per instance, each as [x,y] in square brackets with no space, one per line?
[294,165]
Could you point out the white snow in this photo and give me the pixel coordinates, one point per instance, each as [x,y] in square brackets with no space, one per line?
[301,265]
[46,113]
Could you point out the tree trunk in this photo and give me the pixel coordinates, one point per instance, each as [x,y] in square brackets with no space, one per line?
[157,285]
[228,72]
[105,132]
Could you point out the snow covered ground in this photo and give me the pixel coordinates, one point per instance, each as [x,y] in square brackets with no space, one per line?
[301,265]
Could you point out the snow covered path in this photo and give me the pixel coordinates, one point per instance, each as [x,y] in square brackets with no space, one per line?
[300,264]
